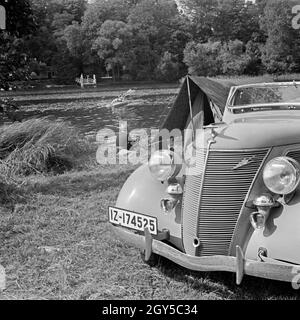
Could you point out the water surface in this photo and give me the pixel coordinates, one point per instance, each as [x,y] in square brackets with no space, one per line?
[91,115]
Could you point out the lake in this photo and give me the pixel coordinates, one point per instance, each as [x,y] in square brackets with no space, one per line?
[142,110]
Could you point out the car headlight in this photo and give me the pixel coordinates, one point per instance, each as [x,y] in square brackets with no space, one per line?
[281,175]
[164,164]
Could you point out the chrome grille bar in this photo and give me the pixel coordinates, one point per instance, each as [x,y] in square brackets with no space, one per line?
[295,154]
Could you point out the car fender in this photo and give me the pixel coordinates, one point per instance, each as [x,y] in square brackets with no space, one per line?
[142,193]
[281,235]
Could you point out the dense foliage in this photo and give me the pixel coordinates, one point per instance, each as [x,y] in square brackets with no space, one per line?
[20,23]
[147,39]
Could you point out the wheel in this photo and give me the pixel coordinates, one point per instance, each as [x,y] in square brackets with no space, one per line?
[153,261]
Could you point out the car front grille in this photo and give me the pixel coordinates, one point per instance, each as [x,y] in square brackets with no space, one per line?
[295,154]
[214,196]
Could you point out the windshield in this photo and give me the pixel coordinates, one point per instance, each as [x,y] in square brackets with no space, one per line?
[266,95]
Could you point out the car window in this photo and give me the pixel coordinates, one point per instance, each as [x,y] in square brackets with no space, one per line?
[265,95]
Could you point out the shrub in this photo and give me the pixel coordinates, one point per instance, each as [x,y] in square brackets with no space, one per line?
[214,58]
[167,69]
[39,145]
[233,59]
[276,63]
[126,77]
[201,58]
[254,52]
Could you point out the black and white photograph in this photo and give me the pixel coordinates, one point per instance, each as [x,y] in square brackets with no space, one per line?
[149,151]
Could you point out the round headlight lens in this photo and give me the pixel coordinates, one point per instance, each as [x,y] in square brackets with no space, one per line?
[281,175]
[162,165]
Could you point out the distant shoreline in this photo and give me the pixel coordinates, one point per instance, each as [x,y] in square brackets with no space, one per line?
[113,90]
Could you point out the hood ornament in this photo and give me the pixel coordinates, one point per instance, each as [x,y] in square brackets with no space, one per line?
[213,132]
[244,162]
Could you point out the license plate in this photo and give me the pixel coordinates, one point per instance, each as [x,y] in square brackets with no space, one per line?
[132,220]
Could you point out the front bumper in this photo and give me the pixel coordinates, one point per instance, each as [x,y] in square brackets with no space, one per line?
[273,269]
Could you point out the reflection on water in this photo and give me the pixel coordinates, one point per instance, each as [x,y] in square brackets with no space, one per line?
[91,116]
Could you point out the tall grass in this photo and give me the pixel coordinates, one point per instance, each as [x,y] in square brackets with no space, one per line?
[36,146]
[39,146]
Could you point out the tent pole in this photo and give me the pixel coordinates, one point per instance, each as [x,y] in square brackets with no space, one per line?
[191,109]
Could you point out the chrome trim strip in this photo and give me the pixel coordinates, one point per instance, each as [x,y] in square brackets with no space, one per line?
[262,105]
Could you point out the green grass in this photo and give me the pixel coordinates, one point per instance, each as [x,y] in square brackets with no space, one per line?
[58,245]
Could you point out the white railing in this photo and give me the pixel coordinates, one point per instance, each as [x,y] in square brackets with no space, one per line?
[86,81]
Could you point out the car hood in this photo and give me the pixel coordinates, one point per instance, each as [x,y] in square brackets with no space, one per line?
[257,132]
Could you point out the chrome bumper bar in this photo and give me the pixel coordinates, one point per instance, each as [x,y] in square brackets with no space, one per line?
[272,269]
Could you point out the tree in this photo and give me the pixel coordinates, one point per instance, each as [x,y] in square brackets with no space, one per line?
[236,20]
[99,11]
[79,48]
[76,8]
[13,54]
[112,44]
[168,68]
[158,28]
[213,58]
[254,49]
[157,20]
[281,52]
[64,13]
[202,14]
[222,20]
[13,60]
[233,58]
[202,58]
[42,43]
[55,42]
[19,17]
